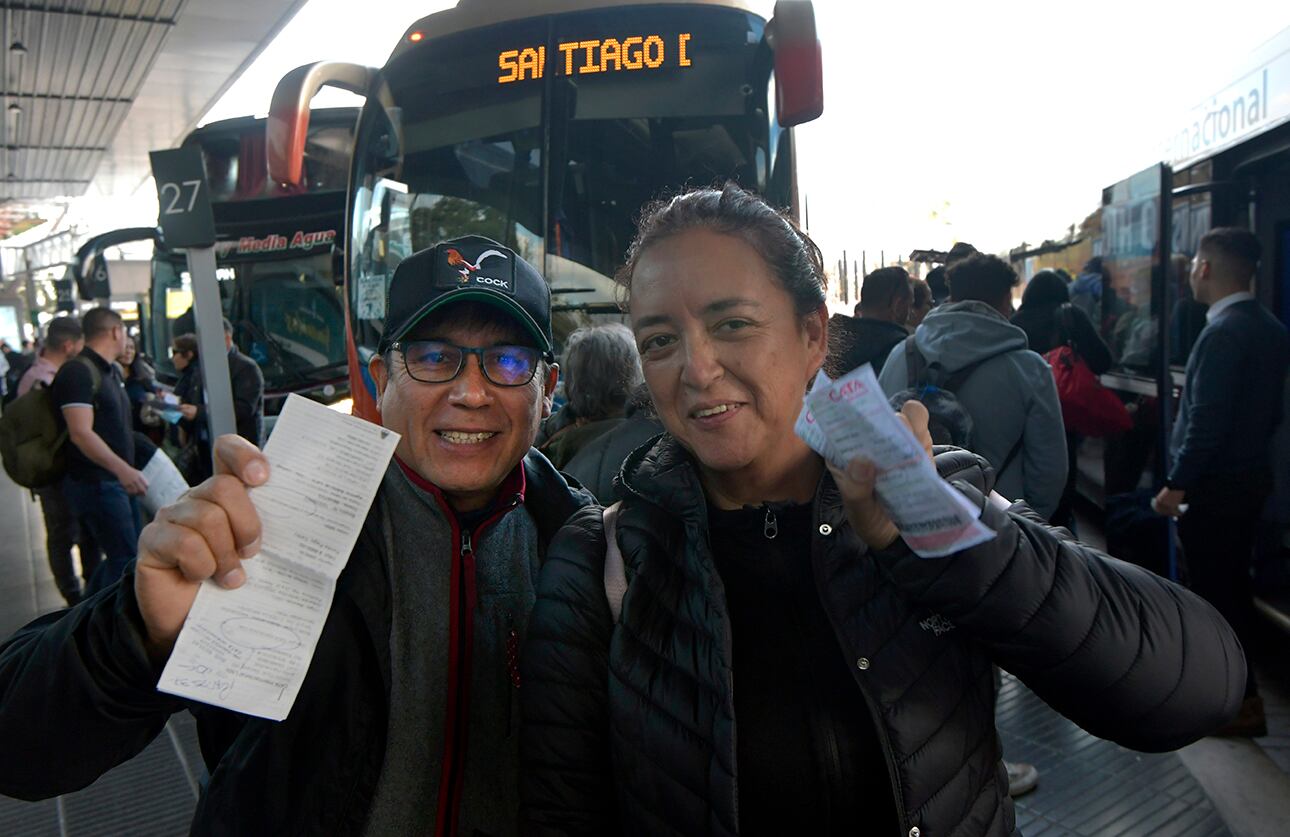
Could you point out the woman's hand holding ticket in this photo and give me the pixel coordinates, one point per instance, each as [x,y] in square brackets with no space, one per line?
[857,484]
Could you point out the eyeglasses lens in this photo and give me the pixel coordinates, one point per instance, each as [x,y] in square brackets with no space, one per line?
[433,362]
[509,366]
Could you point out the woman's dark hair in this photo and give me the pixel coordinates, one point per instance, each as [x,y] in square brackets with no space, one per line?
[1047,287]
[186,343]
[794,259]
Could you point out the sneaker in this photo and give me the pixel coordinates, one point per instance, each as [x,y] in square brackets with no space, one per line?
[1250,722]
[1022,777]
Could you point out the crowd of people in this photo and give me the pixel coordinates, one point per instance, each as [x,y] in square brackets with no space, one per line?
[106,395]
[742,642]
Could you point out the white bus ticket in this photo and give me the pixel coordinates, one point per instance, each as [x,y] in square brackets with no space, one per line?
[249,649]
[850,418]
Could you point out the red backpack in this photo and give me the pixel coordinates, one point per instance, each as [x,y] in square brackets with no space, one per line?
[1088,408]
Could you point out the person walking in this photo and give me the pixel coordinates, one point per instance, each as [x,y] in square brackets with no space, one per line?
[779,661]
[1231,404]
[64,340]
[101,480]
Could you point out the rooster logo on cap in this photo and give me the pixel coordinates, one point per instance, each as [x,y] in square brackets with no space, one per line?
[463,265]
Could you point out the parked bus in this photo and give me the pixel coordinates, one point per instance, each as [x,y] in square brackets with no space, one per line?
[1227,164]
[278,255]
[546,126]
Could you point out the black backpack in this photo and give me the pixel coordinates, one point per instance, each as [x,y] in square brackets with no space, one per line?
[949,422]
[18,366]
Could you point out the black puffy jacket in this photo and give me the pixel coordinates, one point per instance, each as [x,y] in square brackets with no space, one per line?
[631,728]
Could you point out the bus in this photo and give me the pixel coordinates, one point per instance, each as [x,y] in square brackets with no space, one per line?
[546,126]
[278,255]
[1226,163]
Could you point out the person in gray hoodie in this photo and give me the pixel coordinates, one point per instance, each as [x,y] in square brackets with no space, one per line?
[1010,395]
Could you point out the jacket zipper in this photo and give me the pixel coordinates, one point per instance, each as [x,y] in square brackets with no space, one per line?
[451,789]
[875,715]
[464,615]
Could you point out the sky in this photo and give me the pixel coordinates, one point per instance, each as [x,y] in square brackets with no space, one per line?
[991,122]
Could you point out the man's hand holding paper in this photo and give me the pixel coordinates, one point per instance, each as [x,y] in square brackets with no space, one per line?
[245,639]
[203,536]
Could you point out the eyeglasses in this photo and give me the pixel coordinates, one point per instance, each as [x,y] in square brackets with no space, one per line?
[437,362]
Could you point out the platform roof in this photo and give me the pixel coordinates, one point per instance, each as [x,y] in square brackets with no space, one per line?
[90,86]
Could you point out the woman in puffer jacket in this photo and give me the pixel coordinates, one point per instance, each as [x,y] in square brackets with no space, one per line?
[783,663]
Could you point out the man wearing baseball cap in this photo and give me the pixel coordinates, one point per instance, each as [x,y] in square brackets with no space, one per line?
[408,719]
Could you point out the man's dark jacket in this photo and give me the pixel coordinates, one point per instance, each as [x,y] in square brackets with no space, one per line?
[649,747]
[248,396]
[1231,400]
[861,340]
[78,697]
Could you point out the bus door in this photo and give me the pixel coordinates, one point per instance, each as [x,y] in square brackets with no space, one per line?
[1140,288]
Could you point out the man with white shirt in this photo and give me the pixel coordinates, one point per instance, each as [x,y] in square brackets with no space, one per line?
[1221,462]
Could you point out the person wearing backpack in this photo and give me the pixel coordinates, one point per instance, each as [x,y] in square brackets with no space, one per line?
[64,340]
[1006,390]
[1050,322]
[101,479]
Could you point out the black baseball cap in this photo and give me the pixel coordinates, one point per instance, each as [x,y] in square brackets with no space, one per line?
[468,268]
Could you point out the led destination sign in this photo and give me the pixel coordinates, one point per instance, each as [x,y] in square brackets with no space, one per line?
[610,55]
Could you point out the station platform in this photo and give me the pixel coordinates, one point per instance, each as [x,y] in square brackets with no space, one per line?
[1087,788]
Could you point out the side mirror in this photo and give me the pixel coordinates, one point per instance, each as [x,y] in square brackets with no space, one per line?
[89,267]
[288,124]
[799,66]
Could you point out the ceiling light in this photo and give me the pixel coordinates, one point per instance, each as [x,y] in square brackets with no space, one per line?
[17,50]
[15,108]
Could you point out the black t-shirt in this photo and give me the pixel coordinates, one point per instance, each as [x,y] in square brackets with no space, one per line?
[809,758]
[74,385]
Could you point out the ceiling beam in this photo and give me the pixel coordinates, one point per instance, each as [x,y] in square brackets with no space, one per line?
[10,147]
[30,8]
[63,98]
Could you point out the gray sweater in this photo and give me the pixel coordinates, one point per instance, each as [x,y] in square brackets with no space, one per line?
[421,547]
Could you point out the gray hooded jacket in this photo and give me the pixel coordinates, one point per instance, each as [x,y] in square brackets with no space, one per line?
[1011,396]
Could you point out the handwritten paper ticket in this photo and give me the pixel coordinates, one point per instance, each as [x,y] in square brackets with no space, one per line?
[249,649]
[850,418]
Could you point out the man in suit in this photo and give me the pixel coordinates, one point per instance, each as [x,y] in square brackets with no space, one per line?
[1231,404]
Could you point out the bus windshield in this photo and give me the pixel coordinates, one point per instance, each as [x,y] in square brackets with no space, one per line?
[557,161]
[235,155]
[286,315]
